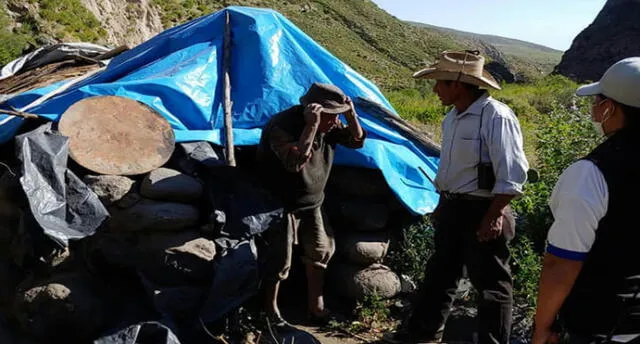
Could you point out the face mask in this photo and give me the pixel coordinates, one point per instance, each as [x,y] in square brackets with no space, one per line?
[597,126]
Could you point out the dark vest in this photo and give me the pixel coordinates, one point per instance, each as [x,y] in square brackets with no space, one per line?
[297,190]
[593,306]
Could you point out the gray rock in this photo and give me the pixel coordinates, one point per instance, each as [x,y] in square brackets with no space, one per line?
[165,184]
[62,309]
[500,72]
[154,216]
[354,282]
[177,258]
[109,189]
[366,216]
[364,248]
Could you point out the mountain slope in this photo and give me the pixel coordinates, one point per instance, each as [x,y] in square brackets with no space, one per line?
[613,35]
[529,56]
[376,44]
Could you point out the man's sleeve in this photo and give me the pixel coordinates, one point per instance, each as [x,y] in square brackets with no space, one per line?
[506,151]
[578,202]
[342,136]
[285,148]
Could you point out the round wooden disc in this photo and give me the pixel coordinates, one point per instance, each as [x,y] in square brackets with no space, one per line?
[117,135]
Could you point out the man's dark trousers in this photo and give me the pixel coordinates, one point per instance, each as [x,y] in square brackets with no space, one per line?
[456,245]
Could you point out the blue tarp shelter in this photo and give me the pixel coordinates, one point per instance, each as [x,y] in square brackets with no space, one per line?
[179,74]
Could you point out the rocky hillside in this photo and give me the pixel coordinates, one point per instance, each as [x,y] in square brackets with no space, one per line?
[375,43]
[613,35]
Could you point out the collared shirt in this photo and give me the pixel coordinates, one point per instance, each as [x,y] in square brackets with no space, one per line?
[579,201]
[467,142]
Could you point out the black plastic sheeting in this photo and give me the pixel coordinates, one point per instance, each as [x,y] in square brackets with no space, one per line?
[60,202]
[241,207]
[238,209]
[236,279]
[143,333]
[192,157]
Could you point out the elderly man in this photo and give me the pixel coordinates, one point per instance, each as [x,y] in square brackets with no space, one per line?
[482,168]
[296,151]
[591,271]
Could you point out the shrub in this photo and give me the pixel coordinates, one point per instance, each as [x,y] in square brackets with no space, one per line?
[409,255]
[564,136]
[74,20]
[12,44]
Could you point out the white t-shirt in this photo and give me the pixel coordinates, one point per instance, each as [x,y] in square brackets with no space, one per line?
[578,202]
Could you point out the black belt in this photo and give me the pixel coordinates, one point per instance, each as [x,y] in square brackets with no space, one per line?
[448,196]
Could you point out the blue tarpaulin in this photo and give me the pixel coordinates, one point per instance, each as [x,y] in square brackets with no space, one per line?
[178,73]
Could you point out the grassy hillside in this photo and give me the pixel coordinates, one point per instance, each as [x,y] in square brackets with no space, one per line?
[378,45]
[367,38]
[526,56]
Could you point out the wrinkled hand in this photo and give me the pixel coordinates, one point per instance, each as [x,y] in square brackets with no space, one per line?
[352,108]
[312,113]
[490,227]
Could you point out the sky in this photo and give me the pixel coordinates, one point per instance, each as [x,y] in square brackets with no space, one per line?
[553,23]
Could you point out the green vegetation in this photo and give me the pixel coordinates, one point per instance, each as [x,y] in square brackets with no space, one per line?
[410,254]
[387,51]
[376,44]
[371,41]
[557,132]
[12,42]
[370,315]
[53,20]
[529,60]
[69,19]
[175,12]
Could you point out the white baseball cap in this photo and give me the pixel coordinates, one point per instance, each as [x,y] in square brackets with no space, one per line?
[621,82]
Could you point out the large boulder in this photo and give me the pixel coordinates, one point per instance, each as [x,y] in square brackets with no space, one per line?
[148,215]
[177,258]
[355,282]
[61,310]
[364,248]
[165,184]
[109,189]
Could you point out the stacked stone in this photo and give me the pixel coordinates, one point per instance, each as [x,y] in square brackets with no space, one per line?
[360,206]
[154,229]
[152,233]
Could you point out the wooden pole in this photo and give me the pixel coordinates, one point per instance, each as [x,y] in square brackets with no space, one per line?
[15,112]
[228,123]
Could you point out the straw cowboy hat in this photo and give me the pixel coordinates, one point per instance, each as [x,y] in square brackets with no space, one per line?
[466,66]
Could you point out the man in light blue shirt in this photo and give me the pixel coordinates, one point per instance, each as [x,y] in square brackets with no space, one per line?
[482,168]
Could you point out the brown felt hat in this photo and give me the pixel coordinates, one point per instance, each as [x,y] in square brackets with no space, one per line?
[465,66]
[332,99]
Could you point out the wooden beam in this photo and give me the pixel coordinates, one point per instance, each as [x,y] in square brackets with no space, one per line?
[228,122]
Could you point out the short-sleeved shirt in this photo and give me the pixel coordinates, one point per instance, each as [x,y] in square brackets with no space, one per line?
[300,186]
[579,201]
